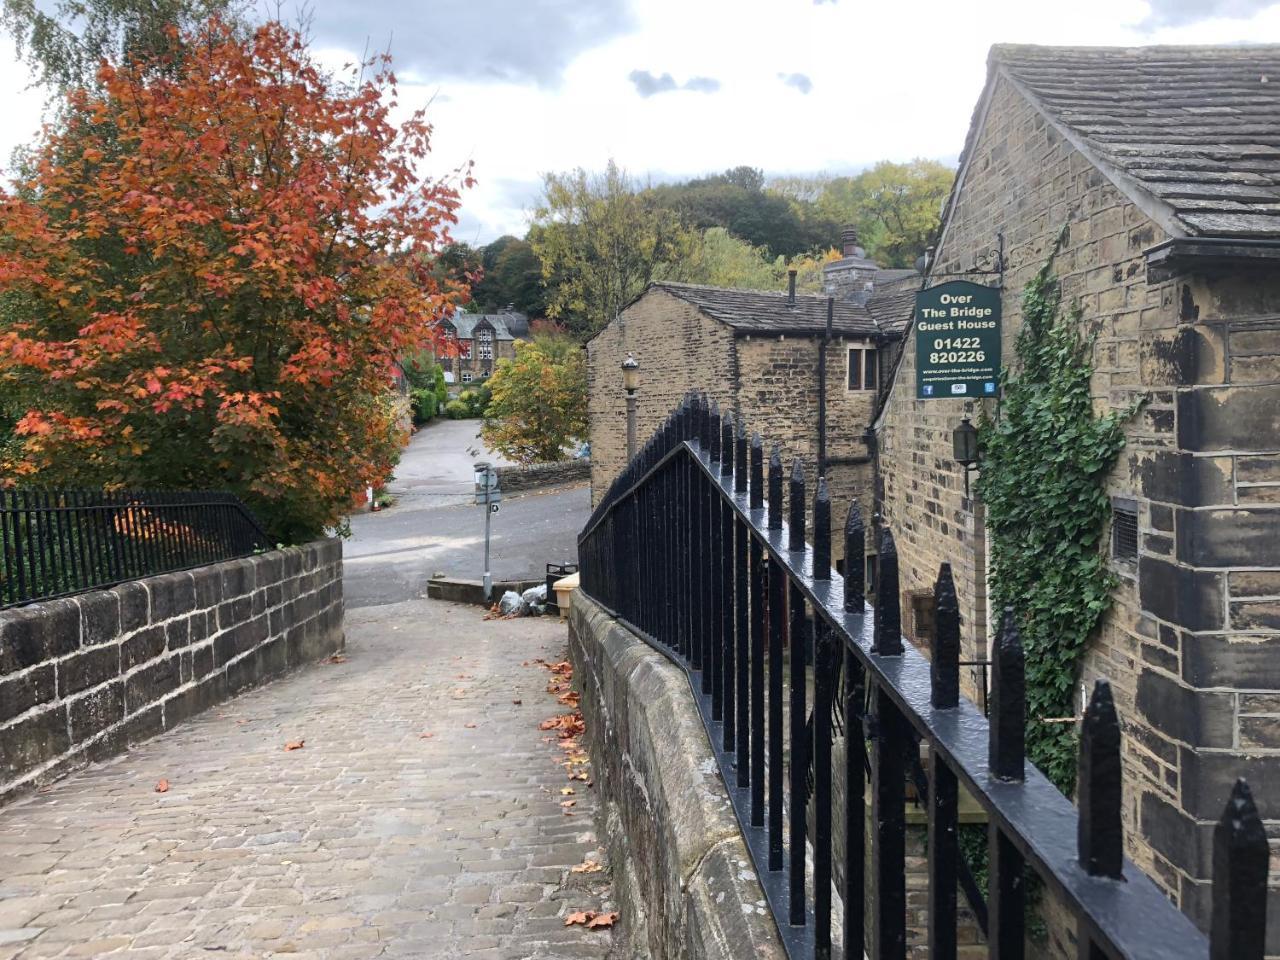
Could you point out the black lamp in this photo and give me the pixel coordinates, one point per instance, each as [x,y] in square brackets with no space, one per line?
[964,449]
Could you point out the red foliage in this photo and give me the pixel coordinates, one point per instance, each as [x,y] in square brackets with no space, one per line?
[212,271]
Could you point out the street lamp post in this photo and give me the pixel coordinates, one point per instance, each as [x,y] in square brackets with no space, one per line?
[630,380]
[964,449]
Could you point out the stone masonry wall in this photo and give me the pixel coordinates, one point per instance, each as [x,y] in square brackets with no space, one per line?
[1192,621]
[682,874]
[771,380]
[82,678]
[535,475]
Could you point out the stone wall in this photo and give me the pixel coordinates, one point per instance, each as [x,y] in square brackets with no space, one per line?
[682,873]
[83,678]
[679,350]
[1192,621]
[535,475]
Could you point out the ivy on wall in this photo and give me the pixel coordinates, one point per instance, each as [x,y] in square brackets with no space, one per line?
[1045,459]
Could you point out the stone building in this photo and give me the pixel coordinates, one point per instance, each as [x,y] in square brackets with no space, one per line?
[1163,166]
[483,339]
[757,355]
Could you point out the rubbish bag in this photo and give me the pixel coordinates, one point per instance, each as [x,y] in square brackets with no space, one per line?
[535,600]
[512,605]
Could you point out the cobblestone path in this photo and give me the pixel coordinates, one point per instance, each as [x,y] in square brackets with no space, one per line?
[371,840]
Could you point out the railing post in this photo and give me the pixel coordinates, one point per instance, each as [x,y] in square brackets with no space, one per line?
[888,814]
[796,506]
[728,672]
[855,551]
[740,458]
[1008,721]
[798,637]
[1240,861]
[726,445]
[1099,834]
[824,669]
[757,473]
[714,428]
[888,618]
[855,787]
[944,668]
[775,488]
[944,793]
[822,531]
[776,641]
[1007,760]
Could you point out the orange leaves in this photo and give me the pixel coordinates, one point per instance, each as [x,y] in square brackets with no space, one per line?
[294,745]
[162,786]
[201,256]
[591,919]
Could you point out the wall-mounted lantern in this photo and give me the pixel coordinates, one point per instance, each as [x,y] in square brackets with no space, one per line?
[964,449]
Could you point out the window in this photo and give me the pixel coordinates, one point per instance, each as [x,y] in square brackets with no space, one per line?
[466,376]
[862,368]
[485,339]
[464,349]
[1124,529]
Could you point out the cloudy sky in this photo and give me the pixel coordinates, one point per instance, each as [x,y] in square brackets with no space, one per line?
[673,88]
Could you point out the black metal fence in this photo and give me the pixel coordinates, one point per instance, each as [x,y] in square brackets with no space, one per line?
[58,542]
[689,548]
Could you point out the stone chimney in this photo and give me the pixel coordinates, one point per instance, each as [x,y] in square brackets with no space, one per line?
[849,243]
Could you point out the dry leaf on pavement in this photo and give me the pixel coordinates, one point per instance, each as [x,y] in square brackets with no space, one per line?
[162,786]
[602,920]
[590,866]
[582,916]
[469,726]
[425,736]
[295,745]
[335,658]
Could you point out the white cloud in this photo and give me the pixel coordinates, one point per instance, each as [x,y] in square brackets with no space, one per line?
[882,88]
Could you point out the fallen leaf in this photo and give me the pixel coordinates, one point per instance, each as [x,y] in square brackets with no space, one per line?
[590,866]
[335,658]
[295,745]
[566,791]
[162,786]
[582,916]
[425,736]
[568,803]
[469,726]
[517,702]
[602,920]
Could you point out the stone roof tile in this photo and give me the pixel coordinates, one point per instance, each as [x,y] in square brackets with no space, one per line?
[754,311]
[1196,128]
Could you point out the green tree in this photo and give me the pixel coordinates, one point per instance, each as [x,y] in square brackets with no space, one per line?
[512,277]
[723,260]
[895,206]
[538,406]
[738,201]
[65,43]
[601,239]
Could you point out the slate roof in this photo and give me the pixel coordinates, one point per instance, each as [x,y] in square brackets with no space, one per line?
[893,311]
[1195,129]
[506,326]
[754,311]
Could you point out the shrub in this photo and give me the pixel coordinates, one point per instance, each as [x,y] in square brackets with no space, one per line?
[457,410]
[425,404]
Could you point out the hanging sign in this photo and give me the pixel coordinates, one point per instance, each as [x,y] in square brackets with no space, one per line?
[957,341]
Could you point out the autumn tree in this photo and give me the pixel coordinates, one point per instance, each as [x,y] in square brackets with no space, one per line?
[211,272]
[539,403]
[722,260]
[601,238]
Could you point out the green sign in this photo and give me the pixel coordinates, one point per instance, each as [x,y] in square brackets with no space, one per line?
[957,341]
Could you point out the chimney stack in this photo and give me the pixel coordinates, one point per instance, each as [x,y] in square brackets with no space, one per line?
[791,287]
[849,242]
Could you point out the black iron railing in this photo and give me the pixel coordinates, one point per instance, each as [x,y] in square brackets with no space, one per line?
[54,543]
[689,551]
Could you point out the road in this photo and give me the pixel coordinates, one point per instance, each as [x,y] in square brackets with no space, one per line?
[434,526]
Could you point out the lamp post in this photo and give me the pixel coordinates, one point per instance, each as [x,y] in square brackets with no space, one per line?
[631,380]
[964,449]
